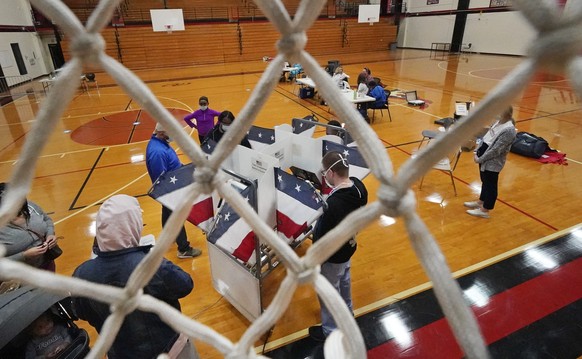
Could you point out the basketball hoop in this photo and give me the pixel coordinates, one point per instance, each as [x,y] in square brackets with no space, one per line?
[168,28]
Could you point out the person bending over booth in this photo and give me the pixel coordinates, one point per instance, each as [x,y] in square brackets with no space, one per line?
[225,120]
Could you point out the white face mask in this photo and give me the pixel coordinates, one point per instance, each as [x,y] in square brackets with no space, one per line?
[327,182]
[225,127]
[203,108]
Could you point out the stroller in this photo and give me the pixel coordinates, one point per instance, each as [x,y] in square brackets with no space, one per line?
[21,307]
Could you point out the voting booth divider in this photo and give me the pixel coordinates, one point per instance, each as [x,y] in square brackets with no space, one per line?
[239,262]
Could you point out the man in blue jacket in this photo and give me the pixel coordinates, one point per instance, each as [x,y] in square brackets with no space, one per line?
[160,157]
[142,334]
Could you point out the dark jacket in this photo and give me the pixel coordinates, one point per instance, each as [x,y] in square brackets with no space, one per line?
[217,133]
[339,204]
[119,226]
[143,334]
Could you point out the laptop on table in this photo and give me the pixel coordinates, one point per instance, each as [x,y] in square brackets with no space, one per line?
[412,99]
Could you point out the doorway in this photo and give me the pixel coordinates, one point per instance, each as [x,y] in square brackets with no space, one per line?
[18,57]
[56,55]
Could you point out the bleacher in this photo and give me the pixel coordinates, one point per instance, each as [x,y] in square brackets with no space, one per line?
[224,40]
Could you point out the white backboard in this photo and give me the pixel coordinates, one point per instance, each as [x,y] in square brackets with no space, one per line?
[167,19]
[369,13]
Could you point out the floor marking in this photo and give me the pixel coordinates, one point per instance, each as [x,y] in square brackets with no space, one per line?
[100,200]
[422,287]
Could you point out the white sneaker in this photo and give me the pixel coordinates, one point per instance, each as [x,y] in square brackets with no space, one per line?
[477,212]
[472,204]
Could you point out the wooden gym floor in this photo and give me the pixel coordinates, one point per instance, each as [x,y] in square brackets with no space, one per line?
[97,151]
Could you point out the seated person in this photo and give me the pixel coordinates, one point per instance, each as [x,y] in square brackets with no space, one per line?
[339,77]
[296,71]
[225,119]
[362,91]
[377,92]
[47,338]
[368,74]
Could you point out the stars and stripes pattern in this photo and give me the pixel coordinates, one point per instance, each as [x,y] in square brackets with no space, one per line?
[260,136]
[358,166]
[297,205]
[171,187]
[233,234]
[300,126]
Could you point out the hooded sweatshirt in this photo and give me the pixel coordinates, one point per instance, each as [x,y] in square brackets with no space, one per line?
[143,334]
[339,204]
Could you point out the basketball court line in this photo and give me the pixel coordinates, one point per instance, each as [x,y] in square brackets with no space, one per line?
[422,287]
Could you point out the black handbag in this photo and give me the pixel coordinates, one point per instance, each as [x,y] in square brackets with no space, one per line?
[53,253]
[481,150]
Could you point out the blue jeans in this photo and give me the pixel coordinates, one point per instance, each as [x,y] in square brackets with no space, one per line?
[338,274]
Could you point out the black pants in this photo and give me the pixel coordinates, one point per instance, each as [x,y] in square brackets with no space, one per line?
[489,182]
[181,240]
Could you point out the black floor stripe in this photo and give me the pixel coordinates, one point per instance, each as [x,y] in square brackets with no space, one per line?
[557,335]
[72,206]
[423,309]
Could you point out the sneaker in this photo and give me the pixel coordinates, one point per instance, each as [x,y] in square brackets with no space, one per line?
[472,204]
[316,333]
[478,212]
[189,253]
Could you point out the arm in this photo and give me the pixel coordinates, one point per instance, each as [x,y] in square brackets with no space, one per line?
[156,165]
[499,146]
[46,219]
[188,120]
[174,282]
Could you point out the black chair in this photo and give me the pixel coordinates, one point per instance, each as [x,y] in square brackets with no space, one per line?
[89,78]
[385,107]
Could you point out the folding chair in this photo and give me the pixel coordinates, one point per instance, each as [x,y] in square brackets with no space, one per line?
[447,164]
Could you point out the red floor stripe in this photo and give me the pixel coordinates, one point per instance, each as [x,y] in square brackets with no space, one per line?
[506,313]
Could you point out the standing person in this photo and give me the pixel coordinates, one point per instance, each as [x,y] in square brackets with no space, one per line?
[491,156]
[347,195]
[160,157]
[142,334]
[204,117]
[28,237]
[225,119]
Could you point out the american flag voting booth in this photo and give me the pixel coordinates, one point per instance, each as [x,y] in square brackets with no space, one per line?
[268,177]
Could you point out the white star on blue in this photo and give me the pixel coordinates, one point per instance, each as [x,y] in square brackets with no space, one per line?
[173,179]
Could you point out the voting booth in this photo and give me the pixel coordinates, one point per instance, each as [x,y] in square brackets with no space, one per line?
[280,178]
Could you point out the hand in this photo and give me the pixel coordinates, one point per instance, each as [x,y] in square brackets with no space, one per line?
[476,158]
[35,251]
[51,240]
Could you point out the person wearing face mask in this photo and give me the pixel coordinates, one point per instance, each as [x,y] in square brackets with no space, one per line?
[204,118]
[347,195]
[225,120]
[160,157]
